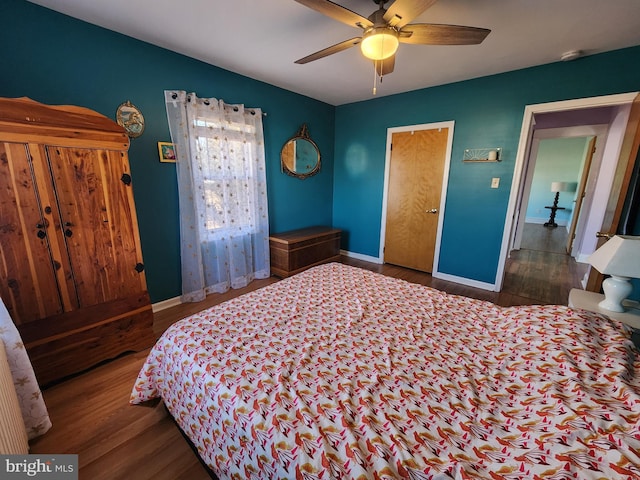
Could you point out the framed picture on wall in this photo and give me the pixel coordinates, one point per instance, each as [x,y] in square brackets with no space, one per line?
[167,152]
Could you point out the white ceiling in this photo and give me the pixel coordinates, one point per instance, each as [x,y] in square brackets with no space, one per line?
[261,39]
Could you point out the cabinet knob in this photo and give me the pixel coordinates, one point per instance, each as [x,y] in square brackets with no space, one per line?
[126,179]
[41,234]
[68,233]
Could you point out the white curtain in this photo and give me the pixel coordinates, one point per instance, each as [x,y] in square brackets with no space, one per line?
[224,221]
[34,411]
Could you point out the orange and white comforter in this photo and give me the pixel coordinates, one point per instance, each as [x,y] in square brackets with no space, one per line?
[341,373]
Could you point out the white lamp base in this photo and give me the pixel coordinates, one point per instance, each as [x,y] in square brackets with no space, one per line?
[616,289]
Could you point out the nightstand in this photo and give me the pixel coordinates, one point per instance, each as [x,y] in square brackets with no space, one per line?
[589,301]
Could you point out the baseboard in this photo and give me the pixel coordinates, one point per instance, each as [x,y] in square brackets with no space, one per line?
[359,256]
[172,302]
[465,281]
[164,304]
[442,276]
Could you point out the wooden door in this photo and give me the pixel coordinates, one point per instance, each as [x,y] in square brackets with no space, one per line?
[415,185]
[97,223]
[591,149]
[28,284]
[622,177]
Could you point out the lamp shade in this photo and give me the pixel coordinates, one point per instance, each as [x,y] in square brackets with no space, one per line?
[619,256]
[561,187]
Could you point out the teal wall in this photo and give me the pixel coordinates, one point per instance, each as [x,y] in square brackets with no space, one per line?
[55,59]
[488,112]
[558,160]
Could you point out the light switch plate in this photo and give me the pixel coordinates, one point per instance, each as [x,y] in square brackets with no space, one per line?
[495,182]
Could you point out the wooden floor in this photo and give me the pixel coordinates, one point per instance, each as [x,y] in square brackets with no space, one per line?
[91,415]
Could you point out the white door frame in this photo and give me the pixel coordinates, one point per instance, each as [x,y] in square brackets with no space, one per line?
[445,180]
[521,157]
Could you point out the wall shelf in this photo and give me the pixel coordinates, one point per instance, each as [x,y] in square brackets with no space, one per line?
[479,155]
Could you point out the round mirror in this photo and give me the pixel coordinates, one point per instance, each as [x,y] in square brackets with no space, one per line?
[300,156]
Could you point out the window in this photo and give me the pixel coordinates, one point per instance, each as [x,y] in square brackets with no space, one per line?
[226,157]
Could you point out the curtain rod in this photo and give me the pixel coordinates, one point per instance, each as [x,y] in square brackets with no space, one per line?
[206,102]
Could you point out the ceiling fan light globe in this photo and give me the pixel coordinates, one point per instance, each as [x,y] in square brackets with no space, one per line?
[379,43]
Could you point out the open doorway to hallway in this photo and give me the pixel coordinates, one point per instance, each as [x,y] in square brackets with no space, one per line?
[615,113]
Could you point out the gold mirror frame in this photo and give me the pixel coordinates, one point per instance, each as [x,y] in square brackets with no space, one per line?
[300,156]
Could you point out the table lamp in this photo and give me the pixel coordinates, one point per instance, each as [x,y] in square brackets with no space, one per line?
[620,258]
[558,187]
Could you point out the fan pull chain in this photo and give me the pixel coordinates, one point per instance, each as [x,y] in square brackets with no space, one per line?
[375,78]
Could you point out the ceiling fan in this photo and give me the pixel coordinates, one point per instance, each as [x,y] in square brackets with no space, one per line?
[385,28]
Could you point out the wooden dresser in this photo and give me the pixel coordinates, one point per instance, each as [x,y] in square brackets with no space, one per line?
[296,250]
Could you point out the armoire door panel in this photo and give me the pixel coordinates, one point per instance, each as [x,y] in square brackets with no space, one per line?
[125,238]
[28,284]
[95,216]
[51,218]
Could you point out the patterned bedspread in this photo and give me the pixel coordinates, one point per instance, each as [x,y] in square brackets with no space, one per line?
[341,373]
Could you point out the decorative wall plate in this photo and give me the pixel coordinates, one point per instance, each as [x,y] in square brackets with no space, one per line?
[129,117]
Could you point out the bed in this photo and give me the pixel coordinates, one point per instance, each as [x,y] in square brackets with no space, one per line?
[342,373]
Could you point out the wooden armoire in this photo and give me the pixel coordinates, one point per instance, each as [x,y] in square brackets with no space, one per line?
[71,269]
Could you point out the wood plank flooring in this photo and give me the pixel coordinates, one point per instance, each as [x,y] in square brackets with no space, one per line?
[541,271]
[91,415]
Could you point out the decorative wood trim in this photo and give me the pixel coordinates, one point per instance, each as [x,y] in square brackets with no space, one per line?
[27,121]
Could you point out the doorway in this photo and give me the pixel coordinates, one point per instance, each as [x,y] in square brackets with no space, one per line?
[618,112]
[540,264]
[416,173]
[563,163]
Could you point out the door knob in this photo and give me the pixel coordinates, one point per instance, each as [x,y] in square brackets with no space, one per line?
[433,210]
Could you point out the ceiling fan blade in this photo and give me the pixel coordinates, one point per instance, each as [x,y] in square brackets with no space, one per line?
[337,12]
[402,12]
[434,34]
[385,67]
[338,47]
